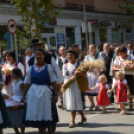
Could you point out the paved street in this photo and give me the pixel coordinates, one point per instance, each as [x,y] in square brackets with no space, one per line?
[110,123]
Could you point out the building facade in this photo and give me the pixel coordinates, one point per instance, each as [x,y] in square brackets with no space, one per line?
[109,24]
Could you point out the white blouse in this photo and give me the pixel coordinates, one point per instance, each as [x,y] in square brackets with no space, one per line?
[92,58]
[106,86]
[28,78]
[20,66]
[118,60]
[124,82]
[70,67]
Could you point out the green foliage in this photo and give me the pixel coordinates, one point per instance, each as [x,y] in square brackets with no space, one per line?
[36,13]
[129,9]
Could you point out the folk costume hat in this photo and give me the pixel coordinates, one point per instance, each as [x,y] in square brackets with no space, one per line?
[36,42]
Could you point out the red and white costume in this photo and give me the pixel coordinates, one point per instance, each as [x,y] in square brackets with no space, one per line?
[102,99]
[121,93]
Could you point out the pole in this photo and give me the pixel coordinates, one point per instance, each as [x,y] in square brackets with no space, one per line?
[16,47]
[11,41]
[85,20]
[0,49]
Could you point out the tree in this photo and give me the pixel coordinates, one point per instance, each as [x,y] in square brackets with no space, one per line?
[129,7]
[35,13]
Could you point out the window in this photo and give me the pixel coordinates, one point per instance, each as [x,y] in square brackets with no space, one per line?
[103,35]
[47,30]
[70,36]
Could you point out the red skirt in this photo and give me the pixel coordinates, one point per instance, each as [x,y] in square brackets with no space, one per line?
[102,99]
[121,95]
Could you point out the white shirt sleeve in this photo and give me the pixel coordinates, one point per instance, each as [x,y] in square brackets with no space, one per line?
[57,72]
[124,81]
[51,74]
[21,67]
[85,59]
[107,86]
[100,57]
[97,85]
[28,77]
[116,61]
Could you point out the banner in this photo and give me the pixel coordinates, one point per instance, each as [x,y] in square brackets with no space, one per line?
[60,40]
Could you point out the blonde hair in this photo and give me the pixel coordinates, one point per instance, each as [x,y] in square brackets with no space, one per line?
[119,73]
[103,77]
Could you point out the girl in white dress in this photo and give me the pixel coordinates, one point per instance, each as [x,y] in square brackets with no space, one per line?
[7,69]
[18,89]
[92,76]
[72,96]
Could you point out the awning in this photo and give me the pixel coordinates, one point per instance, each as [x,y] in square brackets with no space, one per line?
[105,23]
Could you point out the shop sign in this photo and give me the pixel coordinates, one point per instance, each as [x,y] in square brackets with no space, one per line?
[93,22]
[60,40]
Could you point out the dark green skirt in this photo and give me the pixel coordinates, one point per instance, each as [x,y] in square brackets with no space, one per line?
[3,109]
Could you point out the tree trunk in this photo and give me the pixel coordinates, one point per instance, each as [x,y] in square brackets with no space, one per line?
[36,29]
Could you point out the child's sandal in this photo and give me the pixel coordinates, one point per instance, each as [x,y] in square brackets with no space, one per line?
[123,112]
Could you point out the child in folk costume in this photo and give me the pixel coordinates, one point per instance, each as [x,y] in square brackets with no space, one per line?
[102,99]
[92,76]
[121,93]
[72,96]
[18,87]
[4,118]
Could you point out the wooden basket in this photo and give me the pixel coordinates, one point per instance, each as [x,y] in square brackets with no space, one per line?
[16,107]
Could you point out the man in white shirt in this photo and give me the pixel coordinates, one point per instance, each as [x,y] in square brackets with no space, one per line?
[29,54]
[62,59]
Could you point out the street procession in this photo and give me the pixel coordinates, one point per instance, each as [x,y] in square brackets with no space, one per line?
[69,72]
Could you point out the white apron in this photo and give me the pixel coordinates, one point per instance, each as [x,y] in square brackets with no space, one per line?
[38,103]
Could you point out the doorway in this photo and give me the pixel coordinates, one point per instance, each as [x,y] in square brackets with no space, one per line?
[49,43]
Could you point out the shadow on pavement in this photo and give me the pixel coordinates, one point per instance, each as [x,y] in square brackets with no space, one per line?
[96,125]
[88,132]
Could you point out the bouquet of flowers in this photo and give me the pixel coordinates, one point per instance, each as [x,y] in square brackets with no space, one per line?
[84,68]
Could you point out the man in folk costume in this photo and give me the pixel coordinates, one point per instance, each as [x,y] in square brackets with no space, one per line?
[107,55]
[49,60]
[92,76]
[60,61]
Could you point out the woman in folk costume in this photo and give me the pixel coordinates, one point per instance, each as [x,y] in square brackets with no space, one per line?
[7,69]
[92,76]
[40,111]
[72,96]
[118,62]
[4,118]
